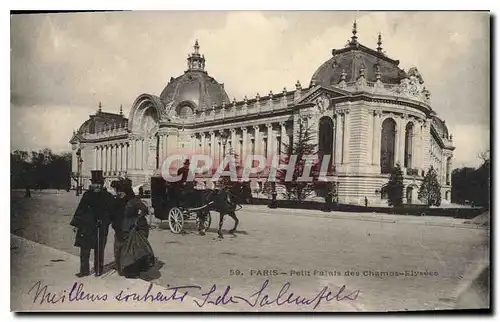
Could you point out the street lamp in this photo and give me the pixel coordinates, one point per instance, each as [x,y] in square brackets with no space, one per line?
[79,162]
[224,138]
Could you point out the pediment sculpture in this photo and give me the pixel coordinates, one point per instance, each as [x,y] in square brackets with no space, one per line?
[323,103]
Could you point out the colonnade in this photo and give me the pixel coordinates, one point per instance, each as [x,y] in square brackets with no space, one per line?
[112,158]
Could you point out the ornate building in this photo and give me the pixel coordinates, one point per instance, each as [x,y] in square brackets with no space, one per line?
[369,115]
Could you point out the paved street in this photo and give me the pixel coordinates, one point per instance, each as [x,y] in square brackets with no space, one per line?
[288,241]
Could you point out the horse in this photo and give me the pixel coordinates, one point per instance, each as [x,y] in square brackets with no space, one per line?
[218,200]
[225,201]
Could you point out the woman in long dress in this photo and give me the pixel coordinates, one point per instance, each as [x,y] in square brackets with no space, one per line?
[130,261]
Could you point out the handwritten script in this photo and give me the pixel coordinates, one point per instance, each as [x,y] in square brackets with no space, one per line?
[215,296]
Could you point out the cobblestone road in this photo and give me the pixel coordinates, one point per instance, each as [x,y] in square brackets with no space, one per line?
[309,252]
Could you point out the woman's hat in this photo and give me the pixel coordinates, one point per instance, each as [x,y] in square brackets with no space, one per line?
[122,184]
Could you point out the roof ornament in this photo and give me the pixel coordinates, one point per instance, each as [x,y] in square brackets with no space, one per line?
[196,47]
[121,110]
[354,38]
[271,95]
[343,75]
[378,74]
[245,99]
[362,71]
[195,60]
[298,87]
[379,43]
[99,109]
[234,101]
[257,97]
[284,91]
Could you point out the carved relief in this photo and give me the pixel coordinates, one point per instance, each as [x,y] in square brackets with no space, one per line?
[323,103]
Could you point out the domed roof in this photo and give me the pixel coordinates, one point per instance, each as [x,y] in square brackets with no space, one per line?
[350,62]
[440,127]
[103,121]
[194,87]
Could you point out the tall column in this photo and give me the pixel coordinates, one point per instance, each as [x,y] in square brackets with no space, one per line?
[338,138]
[135,157]
[295,127]
[400,146]
[101,158]
[165,148]
[270,142]
[138,153]
[98,154]
[421,145]
[234,145]
[124,157]
[127,156]
[132,154]
[244,144]
[397,142]
[257,140]
[160,148]
[94,158]
[283,140]
[344,149]
[108,158]
[113,158]
[212,148]
[119,157]
[193,143]
[143,153]
[377,132]
[203,143]
[370,141]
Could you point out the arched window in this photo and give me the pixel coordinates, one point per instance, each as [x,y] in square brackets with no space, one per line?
[408,145]
[325,139]
[387,147]
[185,111]
[384,194]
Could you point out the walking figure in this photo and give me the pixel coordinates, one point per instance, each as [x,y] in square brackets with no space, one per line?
[91,222]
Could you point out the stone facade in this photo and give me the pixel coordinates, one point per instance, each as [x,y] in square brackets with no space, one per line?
[373,119]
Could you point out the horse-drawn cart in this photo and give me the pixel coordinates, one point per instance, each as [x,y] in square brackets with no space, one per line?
[177,206]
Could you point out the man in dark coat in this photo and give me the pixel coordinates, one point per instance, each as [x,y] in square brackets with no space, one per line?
[91,221]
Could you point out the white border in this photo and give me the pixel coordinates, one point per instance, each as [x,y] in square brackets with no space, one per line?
[182,5]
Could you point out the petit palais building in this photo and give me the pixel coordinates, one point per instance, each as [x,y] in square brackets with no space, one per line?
[367,112]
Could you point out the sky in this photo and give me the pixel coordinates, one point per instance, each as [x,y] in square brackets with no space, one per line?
[62,65]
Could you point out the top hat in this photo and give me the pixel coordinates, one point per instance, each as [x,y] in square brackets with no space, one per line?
[187,162]
[97,176]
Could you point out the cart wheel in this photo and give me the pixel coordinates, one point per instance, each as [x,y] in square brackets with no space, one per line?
[175,220]
[208,221]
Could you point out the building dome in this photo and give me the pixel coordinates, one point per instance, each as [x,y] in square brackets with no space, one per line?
[440,127]
[103,121]
[195,90]
[351,62]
